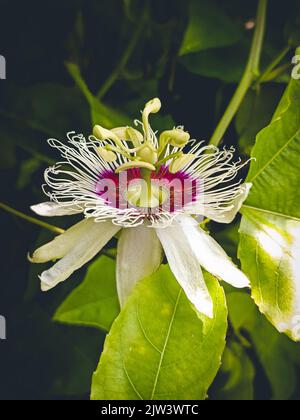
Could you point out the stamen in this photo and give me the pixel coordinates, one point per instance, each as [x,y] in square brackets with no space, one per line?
[135,136]
[129,134]
[202,177]
[176,137]
[106,154]
[103,134]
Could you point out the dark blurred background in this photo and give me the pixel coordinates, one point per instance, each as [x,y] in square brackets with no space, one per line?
[127,52]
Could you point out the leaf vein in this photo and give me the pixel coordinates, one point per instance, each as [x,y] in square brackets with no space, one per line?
[144,332]
[165,345]
[274,157]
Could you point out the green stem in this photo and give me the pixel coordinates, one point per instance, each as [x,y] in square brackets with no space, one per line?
[146,188]
[276,73]
[33,220]
[250,74]
[117,150]
[125,56]
[37,155]
[269,70]
[172,156]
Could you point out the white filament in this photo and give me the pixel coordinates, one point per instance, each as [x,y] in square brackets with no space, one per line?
[73,181]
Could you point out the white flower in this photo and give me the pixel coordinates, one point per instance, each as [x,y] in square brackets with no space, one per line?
[151,191]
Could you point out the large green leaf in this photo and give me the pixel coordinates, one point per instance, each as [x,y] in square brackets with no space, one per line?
[275,352]
[208,27]
[269,235]
[95,302]
[158,347]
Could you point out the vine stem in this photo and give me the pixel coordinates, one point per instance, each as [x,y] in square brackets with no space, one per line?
[125,56]
[250,75]
[33,220]
[270,70]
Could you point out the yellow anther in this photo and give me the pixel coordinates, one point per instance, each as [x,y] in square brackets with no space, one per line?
[135,136]
[103,134]
[180,163]
[176,137]
[107,155]
[129,134]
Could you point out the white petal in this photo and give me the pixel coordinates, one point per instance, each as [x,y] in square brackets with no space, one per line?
[50,209]
[228,215]
[139,255]
[62,244]
[211,255]
[93,239]
[186,268]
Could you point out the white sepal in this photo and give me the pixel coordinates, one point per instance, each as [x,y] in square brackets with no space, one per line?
[186,268]
[92,240]
[50,209]
[210,254]
[139,255]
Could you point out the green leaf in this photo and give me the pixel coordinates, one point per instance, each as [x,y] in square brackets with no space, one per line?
[157,337]
[226,64]
[100,113]
[107,116]
[229,238]
[8,154]
[269,235]
[274,351]
[63,111]
[95,302]
[28,168]
[238,373]
[208,27]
